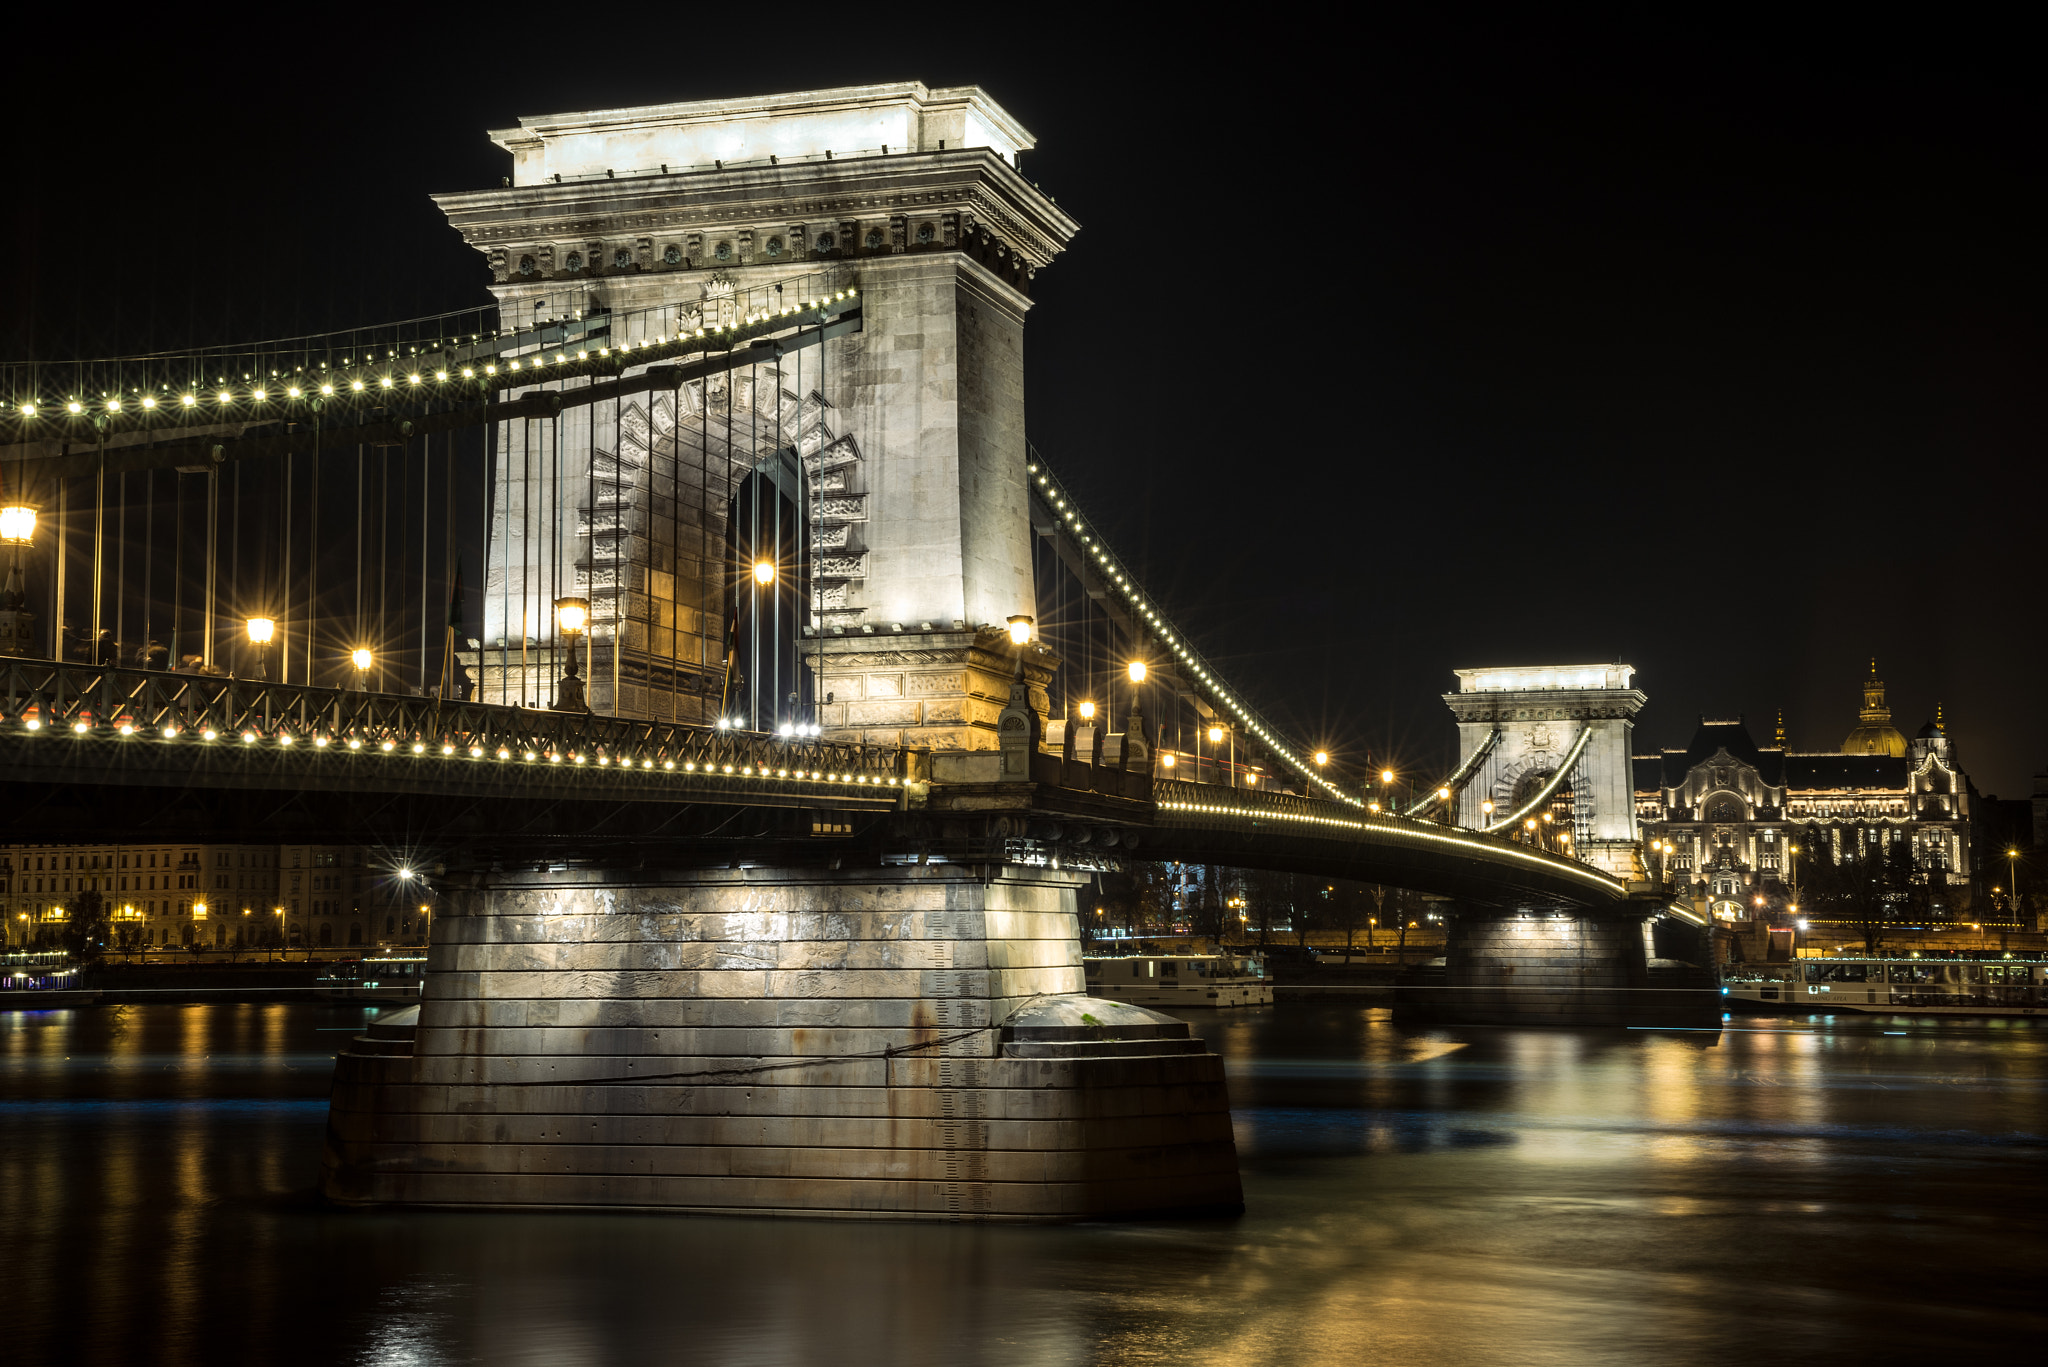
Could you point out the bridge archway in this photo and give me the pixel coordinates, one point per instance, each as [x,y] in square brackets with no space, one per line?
[1534,722]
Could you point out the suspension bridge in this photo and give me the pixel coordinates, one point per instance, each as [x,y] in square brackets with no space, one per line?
[802,690]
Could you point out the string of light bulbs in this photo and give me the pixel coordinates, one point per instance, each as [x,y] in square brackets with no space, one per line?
[1196,670]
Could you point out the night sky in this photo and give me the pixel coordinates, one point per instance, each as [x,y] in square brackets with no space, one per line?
[1380,353]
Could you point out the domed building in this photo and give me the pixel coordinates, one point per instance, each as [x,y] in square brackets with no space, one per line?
[1723,813]
[1874,733]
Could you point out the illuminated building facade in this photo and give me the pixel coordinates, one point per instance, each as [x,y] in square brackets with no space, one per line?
[1731,810]
[203,896]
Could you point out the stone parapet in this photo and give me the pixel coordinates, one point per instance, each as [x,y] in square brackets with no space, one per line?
[900,1043]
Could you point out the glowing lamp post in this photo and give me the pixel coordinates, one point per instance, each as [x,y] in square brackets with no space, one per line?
[17,529]
[1020,630]
[361,658]
[572,615]
[261,629]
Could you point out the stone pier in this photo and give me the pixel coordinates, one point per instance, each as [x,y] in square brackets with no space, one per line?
[907,1043]
[1567,968]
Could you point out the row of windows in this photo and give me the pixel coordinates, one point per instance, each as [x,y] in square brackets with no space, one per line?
[93,861]
[151,859]
[103,884]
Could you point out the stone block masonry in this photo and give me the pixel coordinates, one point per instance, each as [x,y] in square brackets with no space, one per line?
[1552,968]
[889,1043]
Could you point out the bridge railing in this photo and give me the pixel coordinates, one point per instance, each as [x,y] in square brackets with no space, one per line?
[173,706]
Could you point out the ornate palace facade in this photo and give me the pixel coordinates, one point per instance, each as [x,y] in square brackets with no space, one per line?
[1731,810]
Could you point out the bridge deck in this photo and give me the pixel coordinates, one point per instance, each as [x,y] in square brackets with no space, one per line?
[94,726]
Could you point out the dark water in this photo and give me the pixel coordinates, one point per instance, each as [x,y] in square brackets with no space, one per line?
[1807,1190]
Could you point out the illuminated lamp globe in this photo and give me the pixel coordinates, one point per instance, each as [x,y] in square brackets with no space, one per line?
[261,629]
[1322,757]
[1020,630]
[361,656]
[572,614]
[764,572]
[1137,671]
[17,524]
[1215,735]
[1087,711]
[1386,775]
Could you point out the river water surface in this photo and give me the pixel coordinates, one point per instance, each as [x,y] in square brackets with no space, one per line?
[1810,1190]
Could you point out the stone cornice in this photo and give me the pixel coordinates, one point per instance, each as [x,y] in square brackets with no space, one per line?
[1549,704]
[974,182]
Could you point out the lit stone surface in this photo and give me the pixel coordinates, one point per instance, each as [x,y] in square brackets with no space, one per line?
[911,431]
[1539,712]
[901,1043]
[904,116]
[1554,969]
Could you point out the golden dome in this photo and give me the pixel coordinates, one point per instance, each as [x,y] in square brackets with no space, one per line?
[1877,735]
[1875,740]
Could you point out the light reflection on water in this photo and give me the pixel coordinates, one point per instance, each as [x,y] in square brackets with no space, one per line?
[1808,1189]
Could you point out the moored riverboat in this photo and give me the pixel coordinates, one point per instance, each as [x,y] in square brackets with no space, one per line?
[386,978]
[43,982]
[1911,986]
[1179,979]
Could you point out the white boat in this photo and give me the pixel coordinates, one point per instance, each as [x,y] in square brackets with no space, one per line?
[1905,987]
[1179,979]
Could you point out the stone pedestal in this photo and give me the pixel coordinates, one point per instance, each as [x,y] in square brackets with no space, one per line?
[1550,968]
[936,690]
[898,1043]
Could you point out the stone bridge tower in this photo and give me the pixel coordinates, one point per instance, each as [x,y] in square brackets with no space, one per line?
[911,431]
[1532,718]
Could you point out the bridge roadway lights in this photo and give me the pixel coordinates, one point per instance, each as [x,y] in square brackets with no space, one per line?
[908,1042]
[1625,966]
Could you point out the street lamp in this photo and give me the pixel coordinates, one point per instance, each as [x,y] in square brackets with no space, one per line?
[1020,630]
[2012,882]
[361,658]
[261,629]
[1087,711]
[573,615]
[764,572]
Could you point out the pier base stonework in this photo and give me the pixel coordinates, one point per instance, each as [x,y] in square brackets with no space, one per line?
[1551,968]
[900,1043]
